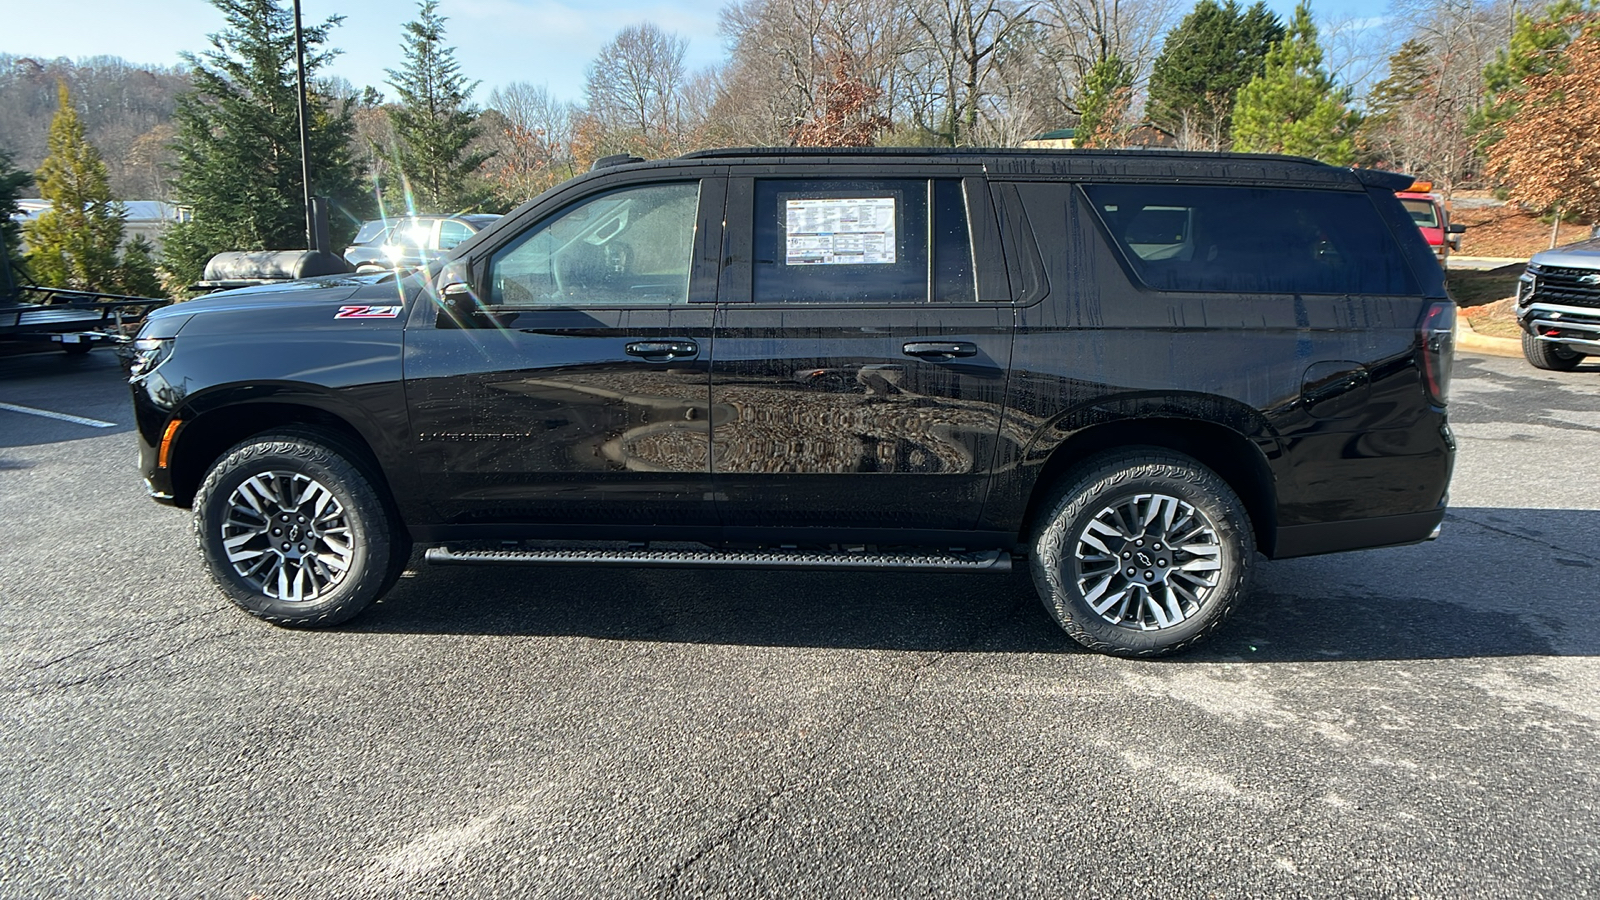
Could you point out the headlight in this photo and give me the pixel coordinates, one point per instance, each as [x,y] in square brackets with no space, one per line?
[148,353]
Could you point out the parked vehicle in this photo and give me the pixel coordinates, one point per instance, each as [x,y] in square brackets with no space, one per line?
[411,241]
[1558,306]
[1432,220]
[1129,371]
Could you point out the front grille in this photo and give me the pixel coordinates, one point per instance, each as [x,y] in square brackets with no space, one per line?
[1566,286]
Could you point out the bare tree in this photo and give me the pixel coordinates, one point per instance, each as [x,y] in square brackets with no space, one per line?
[958,59]
[635,92]
[530,132]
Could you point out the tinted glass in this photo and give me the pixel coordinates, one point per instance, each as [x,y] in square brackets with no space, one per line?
[858,241]
[953,279]
[627,247]
[1253,240]
[452,233]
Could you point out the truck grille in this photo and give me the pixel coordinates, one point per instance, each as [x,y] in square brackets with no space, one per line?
[1566,286]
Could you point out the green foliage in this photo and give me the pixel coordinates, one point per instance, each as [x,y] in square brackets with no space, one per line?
[1204,62]
[435,122]
[1293,106]
[1410,69]
[239,147]
[137,276]
[1103,104]
[1537,46]
[73,244]
[12,183]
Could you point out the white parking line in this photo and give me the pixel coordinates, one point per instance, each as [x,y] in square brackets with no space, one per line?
[80,420]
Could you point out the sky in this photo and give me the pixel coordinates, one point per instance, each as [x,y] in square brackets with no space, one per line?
[543,42]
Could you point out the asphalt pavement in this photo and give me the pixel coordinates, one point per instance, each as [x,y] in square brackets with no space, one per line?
[1410,722]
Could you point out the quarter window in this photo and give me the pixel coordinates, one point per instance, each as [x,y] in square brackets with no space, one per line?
[632,246]
[1253,240]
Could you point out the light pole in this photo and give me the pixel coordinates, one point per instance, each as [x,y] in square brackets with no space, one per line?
[305,143]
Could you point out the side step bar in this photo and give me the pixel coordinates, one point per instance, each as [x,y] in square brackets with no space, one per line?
[926,561]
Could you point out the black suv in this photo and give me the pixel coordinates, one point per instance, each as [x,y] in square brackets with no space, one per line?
[1131,370]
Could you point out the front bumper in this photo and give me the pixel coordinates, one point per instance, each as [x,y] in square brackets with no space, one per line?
[1575,327]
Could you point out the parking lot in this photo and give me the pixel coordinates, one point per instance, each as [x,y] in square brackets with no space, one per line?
[1411,722]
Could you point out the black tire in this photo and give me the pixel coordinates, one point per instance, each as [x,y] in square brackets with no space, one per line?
[1548,356]
[81,348]
[1168,599]
[321,503]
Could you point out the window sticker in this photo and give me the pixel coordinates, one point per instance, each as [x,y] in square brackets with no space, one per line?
[840,232]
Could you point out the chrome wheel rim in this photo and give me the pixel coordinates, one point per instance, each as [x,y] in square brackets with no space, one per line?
[287,536]
[1148,562]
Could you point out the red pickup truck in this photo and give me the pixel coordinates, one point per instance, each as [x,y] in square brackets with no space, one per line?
[1431,219]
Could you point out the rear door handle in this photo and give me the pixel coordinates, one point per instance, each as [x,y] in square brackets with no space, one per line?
[662,351]
[940,349]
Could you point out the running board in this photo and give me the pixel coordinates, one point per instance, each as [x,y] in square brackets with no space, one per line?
[925,561]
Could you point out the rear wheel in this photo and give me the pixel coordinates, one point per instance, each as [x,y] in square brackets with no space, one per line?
[1549,356]
[1144,553]
[293,532]
[77,349]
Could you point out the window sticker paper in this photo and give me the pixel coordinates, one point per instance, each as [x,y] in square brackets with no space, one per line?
[840,232]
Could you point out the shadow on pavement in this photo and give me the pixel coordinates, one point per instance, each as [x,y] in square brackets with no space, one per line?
[1502,582]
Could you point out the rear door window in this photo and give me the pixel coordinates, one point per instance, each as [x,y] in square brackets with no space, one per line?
[1252,240]
[861,241]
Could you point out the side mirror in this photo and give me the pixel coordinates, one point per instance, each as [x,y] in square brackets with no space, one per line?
[1454,228]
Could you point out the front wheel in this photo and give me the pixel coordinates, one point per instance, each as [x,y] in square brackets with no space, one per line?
[1549,356]
[1145,553]
[293,532]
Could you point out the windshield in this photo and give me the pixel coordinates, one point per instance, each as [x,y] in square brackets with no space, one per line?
[1422,212]
[371,232]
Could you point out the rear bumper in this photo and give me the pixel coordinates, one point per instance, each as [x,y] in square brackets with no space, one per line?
[1358,534]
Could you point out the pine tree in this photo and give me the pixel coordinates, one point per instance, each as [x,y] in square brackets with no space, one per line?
[238,144]
[73,244]
[12,182]
[435,122]
[1103,104]
[1204,62]
[1293,106]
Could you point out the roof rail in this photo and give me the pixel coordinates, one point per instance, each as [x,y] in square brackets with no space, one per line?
[615,159]
[723,153]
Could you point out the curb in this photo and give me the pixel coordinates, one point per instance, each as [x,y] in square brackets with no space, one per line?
[1473,342]
[1497,260]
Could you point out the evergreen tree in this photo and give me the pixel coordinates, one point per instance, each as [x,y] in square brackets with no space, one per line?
[73,244]
[12,183]
[1293,106]
[239,146]
[1103,105]
[137,276]
[1204,62]
[435,122]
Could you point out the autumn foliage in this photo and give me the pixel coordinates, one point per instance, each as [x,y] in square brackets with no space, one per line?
[845,116]
[1549,155]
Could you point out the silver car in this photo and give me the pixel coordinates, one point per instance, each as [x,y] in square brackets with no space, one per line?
[1558,306]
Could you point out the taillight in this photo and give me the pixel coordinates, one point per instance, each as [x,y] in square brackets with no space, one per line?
[1438,336]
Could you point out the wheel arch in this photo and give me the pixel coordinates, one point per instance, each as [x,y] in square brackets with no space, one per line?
[1235,458]
[206,435]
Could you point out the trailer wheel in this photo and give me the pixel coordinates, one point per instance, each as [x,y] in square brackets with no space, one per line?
[294,533]
[81,348]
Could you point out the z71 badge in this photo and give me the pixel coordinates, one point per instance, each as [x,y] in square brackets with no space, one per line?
[367,312]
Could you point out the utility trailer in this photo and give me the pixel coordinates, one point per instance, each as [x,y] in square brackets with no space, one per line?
[77,320]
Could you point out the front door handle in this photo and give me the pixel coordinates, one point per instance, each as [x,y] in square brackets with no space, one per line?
[662,351]
[940,349]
